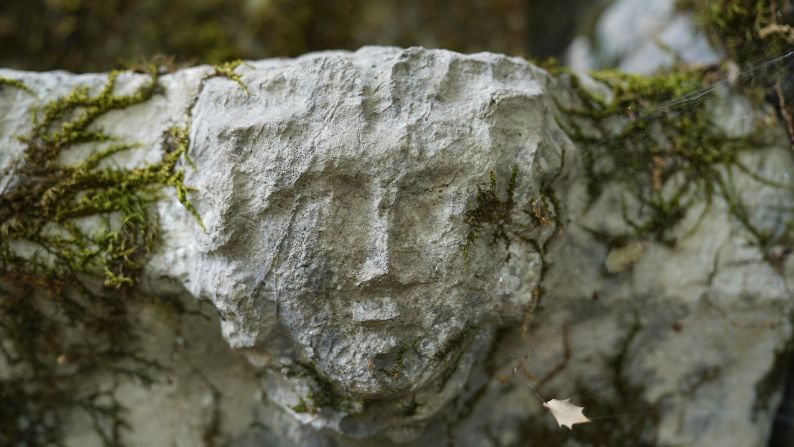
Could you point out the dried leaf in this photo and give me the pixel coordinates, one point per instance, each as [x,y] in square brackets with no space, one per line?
[566,413]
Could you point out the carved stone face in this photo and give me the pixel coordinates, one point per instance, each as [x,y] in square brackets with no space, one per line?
[372,283]
[335,198]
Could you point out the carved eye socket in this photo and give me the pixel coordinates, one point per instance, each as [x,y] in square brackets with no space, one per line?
[425,230]
[424,211]
[412,232]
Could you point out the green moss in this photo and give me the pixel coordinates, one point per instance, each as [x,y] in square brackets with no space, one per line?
[61,324]
[48,199]
[500,217]
[227,70]
[656,139]
[491,212]
[748,30]
[758,34]
[176,145]
[15,83]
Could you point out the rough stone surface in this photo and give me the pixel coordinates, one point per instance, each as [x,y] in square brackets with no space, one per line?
[686,340]
[335,196]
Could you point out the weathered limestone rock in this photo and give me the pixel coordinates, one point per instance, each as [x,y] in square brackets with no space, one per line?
[693,367]
[335,196]
[683,345]
[377,227]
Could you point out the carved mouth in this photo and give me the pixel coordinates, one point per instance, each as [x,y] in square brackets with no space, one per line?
[374,311]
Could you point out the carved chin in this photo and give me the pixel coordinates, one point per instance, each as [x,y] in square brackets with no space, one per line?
[376,363]
[402,415]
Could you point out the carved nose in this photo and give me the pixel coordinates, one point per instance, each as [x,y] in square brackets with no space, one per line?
[376,265]
[377,262]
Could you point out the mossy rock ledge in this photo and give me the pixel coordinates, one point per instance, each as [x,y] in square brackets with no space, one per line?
[386,246]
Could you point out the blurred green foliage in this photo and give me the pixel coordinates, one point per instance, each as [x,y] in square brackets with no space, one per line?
[748,30]
[97,35]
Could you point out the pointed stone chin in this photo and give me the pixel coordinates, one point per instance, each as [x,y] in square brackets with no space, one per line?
[376,347]
[394,395]
[382,365]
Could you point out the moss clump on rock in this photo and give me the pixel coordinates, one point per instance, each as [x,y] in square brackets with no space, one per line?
[15,83]
[491,212]
[656,137]
[227,70]
[71,234]
[748,30]
[759,37]
[48,201]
